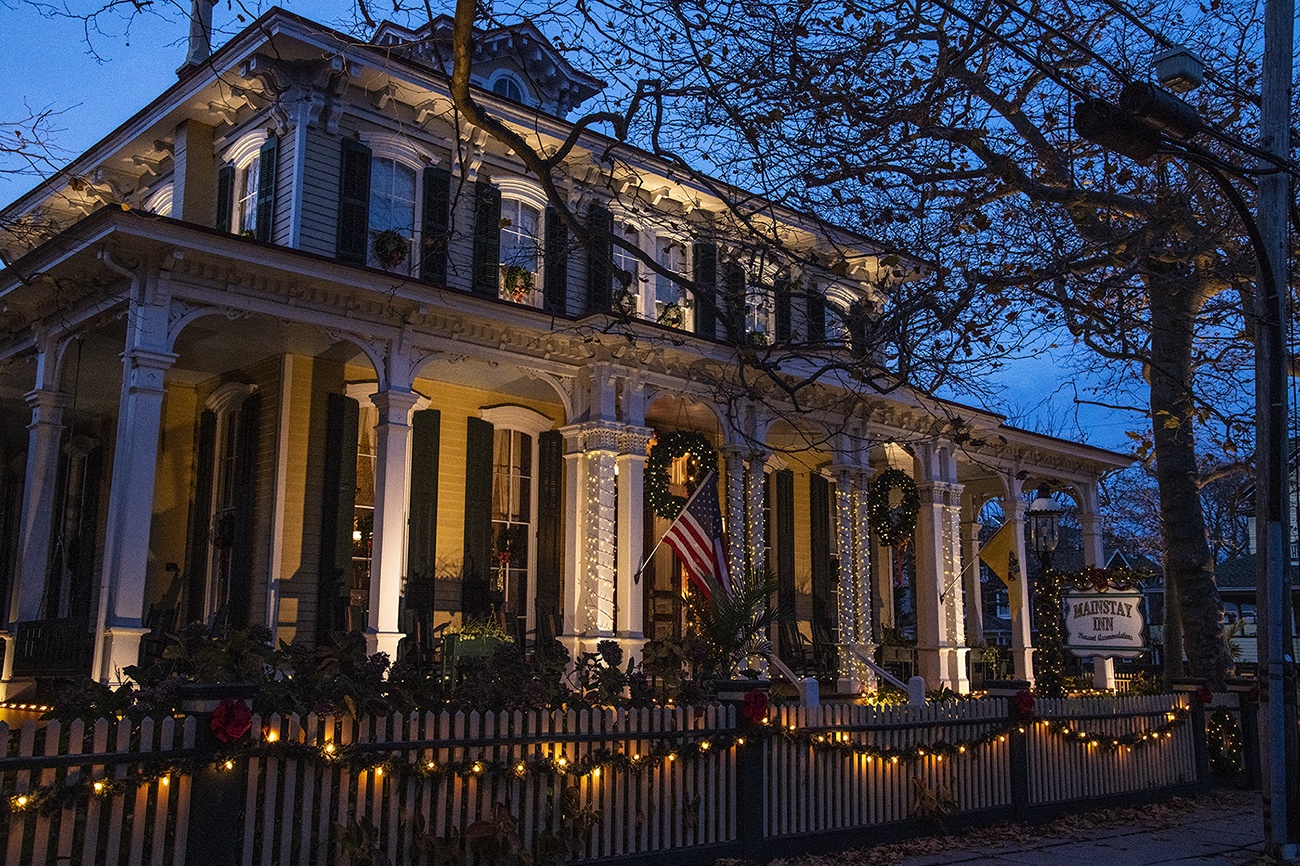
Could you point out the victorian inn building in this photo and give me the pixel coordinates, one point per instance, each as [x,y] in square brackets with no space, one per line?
[297,347]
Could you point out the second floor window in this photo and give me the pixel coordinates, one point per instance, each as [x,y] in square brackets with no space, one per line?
[673,304]
[392,214]
[520,252]
[246,190]
[627,297]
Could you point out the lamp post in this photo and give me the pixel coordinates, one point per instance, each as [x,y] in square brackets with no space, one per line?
[1043,516]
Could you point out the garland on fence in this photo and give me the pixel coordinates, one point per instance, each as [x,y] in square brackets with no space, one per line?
[842,742]
[366,758]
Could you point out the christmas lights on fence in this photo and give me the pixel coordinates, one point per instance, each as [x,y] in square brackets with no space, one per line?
[405,763]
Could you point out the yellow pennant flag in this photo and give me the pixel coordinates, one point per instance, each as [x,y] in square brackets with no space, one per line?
[999,554]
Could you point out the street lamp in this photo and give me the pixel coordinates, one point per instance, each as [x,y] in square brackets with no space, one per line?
[1044,519]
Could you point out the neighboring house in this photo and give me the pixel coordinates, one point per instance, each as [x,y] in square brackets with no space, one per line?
[296,347]
[1236,580]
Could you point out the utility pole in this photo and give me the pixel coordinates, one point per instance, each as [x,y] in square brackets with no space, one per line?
[1277,712]
[1139,127]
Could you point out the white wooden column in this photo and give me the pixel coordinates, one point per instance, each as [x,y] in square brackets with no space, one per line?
[130,514]
[388,553]
[591,569]
[734,460]
[849,598]
[36,528]
[940,641]
[634,444]
[953,602]
[1022,643]
[974,591]
[1094,556]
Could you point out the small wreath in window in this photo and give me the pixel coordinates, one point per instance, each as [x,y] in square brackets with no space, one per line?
[893,526]
[702,460]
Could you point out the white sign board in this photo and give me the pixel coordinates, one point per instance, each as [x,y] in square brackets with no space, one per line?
[1108,624]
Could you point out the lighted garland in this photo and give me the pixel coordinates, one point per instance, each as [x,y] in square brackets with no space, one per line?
[893,527]
[403,764]
[703,459]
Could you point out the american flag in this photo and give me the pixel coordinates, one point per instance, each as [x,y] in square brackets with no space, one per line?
[696,537]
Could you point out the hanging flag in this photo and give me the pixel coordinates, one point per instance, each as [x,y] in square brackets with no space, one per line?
[999,554]
[696,537]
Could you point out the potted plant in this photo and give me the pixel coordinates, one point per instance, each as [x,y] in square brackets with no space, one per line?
[517,281]
[477,638]
[734,629]
[391,248]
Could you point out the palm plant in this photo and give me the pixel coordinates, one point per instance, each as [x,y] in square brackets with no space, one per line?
[734,627]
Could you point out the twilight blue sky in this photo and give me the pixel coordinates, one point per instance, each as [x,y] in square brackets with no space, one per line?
[45,64]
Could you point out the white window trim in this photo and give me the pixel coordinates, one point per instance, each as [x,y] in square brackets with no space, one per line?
[399,147]
[515,417]
[684,240]
[531,194]
[160,202]
[226,397]
[245,148]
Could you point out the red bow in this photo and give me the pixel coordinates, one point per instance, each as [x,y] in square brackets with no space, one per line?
[231,720]
[1024,702]
[755,709]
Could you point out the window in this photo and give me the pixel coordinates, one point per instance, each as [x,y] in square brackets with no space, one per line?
[232,455]
[627,298]
[520,255]
[363,519]
[392,214]
[246,194]
[673,306]
[758,312]
[509,87]
[246,187]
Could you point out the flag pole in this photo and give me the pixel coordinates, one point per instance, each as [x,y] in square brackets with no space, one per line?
[636,576]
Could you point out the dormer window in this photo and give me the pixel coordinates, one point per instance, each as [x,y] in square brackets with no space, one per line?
[509,87]
[246,192]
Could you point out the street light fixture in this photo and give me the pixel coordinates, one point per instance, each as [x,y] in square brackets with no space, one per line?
[1044,522]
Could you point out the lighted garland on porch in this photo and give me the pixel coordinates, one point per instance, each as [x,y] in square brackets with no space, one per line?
[670,446]
[893,526]
[373,758]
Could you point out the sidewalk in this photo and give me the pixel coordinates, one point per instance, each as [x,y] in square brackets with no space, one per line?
[1225,827]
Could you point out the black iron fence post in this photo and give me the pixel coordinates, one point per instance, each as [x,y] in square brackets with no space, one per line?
[217,790]
[1017,741]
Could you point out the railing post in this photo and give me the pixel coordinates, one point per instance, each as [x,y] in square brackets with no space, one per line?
[747,710]
[217,792]
[1017,741]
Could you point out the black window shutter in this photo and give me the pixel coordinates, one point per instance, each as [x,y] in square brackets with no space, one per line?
[600,260]
[550,529]
[555,284]
[475,600]
[706,286]
[436,229]
[487,239]
[733,287]
[196,568]
[241,546]
[816,316]
[781,296]
[422,537]
[783,482]
[354,202]
[823,568]
[225,197]
[338,499]
[266,172]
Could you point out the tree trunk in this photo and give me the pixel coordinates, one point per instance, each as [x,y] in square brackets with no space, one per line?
[1173,636]
[1189,568]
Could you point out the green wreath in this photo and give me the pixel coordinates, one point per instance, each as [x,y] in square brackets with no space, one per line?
[703,460]
[893,526]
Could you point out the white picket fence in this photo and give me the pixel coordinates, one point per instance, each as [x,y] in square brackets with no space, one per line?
[296,799]
[124,823]
[1060,770]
